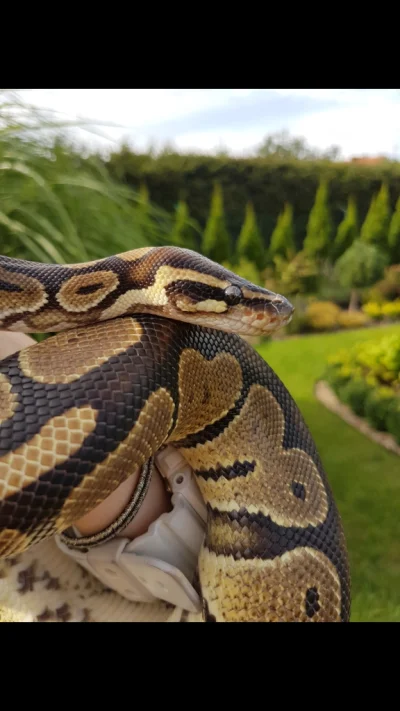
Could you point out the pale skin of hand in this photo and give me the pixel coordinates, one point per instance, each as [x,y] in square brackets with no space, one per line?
[156,502]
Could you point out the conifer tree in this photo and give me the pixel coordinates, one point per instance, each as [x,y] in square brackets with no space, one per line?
[282,238]
[250,244]
[376,225]
[347,231]
[317,243]
[216,239]
[182,234]
[394,235]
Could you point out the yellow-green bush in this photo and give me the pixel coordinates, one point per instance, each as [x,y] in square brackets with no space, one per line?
[352,319]
[388,288]
[377,406]
[391,309]
[367,378]
[314,315]
[355,394]
[384,310]
[373,309]
[322,315]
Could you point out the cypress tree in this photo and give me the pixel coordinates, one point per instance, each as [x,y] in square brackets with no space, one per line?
[347,231]
[216,239]
[250,244]
[394,235]
[282,238]
[317,243]
[182,234]
[376,224]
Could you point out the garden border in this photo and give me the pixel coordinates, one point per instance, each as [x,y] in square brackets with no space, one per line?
[325,395]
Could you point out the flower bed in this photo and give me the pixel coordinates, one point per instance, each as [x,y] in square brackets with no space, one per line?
[366,378]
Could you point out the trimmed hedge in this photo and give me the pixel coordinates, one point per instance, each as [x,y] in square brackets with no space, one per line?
[268,183]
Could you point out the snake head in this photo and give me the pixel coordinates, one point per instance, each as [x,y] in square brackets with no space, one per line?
[213,296]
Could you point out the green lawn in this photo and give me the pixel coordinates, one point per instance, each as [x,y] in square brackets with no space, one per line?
[365,477]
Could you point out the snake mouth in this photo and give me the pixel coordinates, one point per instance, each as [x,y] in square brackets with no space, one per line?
[261,317]
[284,307]
[256,316]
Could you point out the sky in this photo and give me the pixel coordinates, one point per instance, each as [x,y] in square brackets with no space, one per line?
[360,121]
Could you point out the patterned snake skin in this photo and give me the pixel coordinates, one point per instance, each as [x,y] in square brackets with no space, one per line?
[148,354]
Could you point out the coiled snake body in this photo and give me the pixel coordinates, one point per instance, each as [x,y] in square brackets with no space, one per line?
[148,354]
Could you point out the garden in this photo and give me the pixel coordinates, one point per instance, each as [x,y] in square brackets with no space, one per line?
[324,233]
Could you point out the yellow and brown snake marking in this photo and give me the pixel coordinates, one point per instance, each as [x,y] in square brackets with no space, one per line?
[56,360]
[204,394]
[156,293]
[84,291]
[132,452]
[8,399]
[134,254]
[281,483]
[303,587]
[20,293]
[12,541]
[149,354]
[50,319]
[57,440]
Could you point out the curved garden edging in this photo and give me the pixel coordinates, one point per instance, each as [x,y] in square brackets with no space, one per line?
[328,398]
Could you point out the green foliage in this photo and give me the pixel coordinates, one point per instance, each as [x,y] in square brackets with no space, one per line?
[354,394]
[250,244]
[319,226]
[296,276]
[360,266]
[376,225]
[57,206]
[377,406]
[298,324]
[281,145]
[282,238]
[267,182]
[367,378]
[183,232]
[144,197]
[216,239]
[347,231]
[322,315]
[383,310]
[352,319]
[387,288]
[246,269]
[394,235]
[393,420]
[377,361]
[331,290]
[373,310]
[314,316]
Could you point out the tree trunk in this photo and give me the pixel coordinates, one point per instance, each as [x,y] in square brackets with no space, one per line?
[353,303]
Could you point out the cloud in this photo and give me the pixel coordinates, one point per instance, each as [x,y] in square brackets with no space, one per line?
[360,121]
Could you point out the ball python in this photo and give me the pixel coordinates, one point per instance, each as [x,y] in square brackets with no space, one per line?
[148,351]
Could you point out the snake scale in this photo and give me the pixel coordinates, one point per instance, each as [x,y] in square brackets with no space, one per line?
[148,351]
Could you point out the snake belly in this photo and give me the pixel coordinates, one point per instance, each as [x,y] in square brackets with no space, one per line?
[81,410]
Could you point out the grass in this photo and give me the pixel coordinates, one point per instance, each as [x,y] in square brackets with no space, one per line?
[365,477]
[57,205]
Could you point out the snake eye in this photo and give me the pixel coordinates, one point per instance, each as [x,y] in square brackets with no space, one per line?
[232,295]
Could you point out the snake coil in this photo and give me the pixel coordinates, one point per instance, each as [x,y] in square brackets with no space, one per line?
[148,352]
